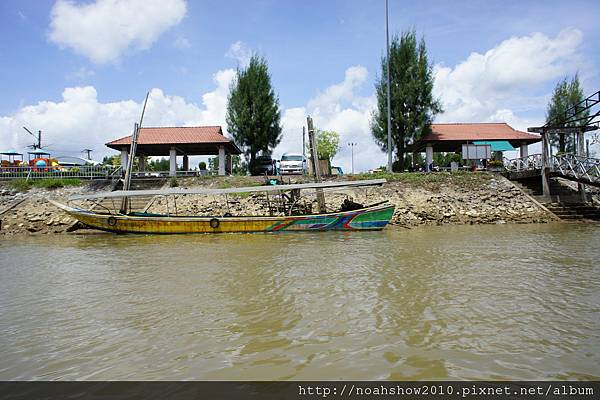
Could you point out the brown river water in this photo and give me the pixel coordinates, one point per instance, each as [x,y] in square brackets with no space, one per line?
[461,302]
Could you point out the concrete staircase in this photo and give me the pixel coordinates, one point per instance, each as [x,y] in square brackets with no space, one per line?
[573,211]
[565,202]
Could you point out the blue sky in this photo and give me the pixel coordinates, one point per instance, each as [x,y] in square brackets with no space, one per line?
[79,70]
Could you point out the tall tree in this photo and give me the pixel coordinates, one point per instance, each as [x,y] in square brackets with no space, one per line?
[413,106]
[253,116]
[566,95]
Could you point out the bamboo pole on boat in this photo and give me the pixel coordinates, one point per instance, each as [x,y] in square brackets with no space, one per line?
[315,163]
[132,150]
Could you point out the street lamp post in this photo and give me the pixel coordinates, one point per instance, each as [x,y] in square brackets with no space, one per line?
[389,107]
[352,144]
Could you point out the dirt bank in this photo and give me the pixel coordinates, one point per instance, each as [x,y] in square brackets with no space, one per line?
[420,199]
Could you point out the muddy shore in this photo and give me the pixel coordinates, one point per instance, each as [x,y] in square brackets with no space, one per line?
[436,199]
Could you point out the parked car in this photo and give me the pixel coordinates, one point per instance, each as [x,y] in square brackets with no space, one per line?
[264,165]
[292,163]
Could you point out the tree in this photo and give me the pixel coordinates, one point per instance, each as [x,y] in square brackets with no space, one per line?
[413,106]
[253,115]
[238,166]
[112,160]
[566,95]
[328,144]
[163,164]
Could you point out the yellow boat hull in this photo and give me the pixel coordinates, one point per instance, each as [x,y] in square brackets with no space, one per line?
[370,218]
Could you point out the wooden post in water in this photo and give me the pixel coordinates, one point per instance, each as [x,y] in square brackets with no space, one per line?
[314,159]
[545,167]
[580,151]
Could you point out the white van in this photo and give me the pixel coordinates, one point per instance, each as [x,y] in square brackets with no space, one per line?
[292,163]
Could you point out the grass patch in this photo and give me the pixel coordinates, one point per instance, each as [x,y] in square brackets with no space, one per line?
[55,183]
[20,185]
[424,178]
[239,181]
[23,185]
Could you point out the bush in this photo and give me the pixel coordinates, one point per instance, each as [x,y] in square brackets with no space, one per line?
[495,164]
[20,185]
[173,181]
[202,166]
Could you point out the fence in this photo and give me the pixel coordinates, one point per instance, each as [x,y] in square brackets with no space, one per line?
[82,172]
[533,161]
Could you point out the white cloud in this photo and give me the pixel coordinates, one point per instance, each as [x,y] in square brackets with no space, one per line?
[81,74]
[241,52]
[105,29]
[338,108]
[488,87]
[81,121]
[182,43]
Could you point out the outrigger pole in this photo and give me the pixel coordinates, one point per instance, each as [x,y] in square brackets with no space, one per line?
[128,171]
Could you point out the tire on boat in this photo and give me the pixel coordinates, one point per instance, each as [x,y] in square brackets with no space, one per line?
[214,223]
[111,221]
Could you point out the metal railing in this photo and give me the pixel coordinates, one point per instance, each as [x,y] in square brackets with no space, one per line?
[56,172]
[568,165]
[163,174]
[578,167]
[531,162]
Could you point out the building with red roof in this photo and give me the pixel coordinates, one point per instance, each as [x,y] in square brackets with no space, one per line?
[451,137]
[178,141]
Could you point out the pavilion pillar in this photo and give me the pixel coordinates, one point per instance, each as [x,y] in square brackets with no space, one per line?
[414,160]
[524,150]
[230,164]
[172,162]
[124,159]
[428,157]
[186,163]
[221,160]
[524,153]
[142,163]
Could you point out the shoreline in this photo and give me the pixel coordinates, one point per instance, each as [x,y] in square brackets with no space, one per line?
[420,199]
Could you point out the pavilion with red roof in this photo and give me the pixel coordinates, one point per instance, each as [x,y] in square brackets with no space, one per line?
[178,141]
[450,138]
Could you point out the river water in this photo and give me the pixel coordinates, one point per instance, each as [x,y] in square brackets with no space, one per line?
[462,302]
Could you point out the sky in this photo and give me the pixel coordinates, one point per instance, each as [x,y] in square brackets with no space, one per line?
[79,70]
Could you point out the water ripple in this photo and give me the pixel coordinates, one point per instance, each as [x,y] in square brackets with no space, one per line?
[472,302]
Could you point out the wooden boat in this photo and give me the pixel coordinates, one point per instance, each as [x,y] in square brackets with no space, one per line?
[374,217]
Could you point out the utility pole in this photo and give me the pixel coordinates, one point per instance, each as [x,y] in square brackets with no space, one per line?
[352,144]
[389,106]
[304,150]
[315,163]
[304,142]
[89,152]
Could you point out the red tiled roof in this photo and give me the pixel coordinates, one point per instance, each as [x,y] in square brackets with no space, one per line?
[175,135]
[476,131]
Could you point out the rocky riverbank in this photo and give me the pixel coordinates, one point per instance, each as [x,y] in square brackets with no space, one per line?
[420,199]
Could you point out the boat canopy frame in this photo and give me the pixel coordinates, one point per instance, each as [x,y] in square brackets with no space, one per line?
[286,200]
[250,189]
